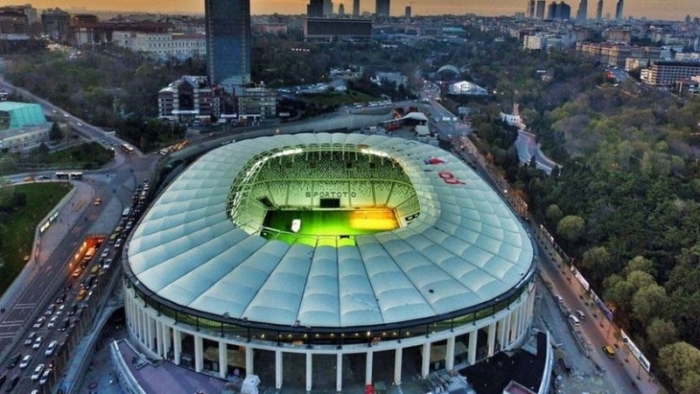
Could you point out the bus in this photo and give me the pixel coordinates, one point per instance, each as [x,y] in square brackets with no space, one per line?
[127,148]
[76,175]
[62,175]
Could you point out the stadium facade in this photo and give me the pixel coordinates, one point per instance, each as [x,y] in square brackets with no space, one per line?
[207,287]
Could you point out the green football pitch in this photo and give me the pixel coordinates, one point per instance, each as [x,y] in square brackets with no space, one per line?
[333,228]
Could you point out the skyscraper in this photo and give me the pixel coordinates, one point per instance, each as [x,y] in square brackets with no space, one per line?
[539,12]
[341,9]
[408,11]
[355,8]
[383,8]
[599,11]
[530,12]
[227,25]
[619,9]
[582,13]
[314,9]
[327,7]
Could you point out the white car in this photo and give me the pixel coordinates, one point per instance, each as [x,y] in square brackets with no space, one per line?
[52,322]
[25,361]
[79,124]
[37,372]
[45,377]
[37,342]
[51,348]
[30,338]
[39,322]
[105,253]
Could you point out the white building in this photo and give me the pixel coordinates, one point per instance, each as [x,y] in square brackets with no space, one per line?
[162,45]
[206,287]
[467,88]
[535,42]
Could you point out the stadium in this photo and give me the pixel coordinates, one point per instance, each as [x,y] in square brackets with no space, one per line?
[325,260]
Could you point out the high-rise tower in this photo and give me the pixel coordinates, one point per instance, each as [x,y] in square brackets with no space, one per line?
[539,11]
[355,8]
[530,12]
[383,8]
[599,11]
[582,13]
[227,25]
[619,8]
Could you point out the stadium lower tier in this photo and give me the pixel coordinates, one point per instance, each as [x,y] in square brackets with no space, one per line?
[302,358]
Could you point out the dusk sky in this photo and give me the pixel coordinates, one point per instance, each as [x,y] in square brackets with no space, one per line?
[652,9]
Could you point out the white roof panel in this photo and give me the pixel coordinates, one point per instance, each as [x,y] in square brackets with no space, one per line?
[466,247]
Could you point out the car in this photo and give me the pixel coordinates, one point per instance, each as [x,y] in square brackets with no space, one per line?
[76,272]
[107,264]
[37,342]
[12,384]
[52,322]
[51,348]
[66,116]
[61,298]
[609,351]
[73,309]
[98,201]
[50,309]
[559,299]
[30,338]
[79,124]
[39,322]
[45,377]
[61,309]
[25,361]
[105,253]
[118,244]
[37,372]
[14,360]
[81,295]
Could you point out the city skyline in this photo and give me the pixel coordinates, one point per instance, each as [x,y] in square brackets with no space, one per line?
[651,9]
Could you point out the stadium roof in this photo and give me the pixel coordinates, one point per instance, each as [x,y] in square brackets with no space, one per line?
[465,248]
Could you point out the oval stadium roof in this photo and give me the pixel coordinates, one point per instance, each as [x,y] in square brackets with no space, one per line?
[465,248]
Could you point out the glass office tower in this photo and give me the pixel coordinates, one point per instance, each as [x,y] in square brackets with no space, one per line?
[227,24]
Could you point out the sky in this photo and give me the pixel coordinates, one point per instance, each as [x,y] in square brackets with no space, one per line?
[652,9]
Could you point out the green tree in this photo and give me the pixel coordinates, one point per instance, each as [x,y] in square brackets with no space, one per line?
[648,302]
[661,333]
[681,363]
[55,133]
[571,227]
[639,263]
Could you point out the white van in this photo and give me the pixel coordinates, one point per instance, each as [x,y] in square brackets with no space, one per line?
[574,320]
[580,314]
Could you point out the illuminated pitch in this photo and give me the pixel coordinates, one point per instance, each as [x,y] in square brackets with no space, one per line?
[334,227]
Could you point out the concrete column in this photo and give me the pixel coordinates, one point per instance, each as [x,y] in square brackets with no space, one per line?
[472,347]
[166,339]
[223,360]
[523,318]
[450,356]
[149,331]
[492,339]
[339,372]
[309,371]
[368,367]
[425,360]
[278,369]
[177,346]
[506,329]
[198,353]
[142,331]
[249,361]
[159,338]
[398,364]
[501,332]
[513,326]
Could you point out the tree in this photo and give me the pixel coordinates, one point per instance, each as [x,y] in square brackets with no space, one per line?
[639,263]
[681,363]
[648,302]
[661,333]
[55,133]
[571,227]
[554,213]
